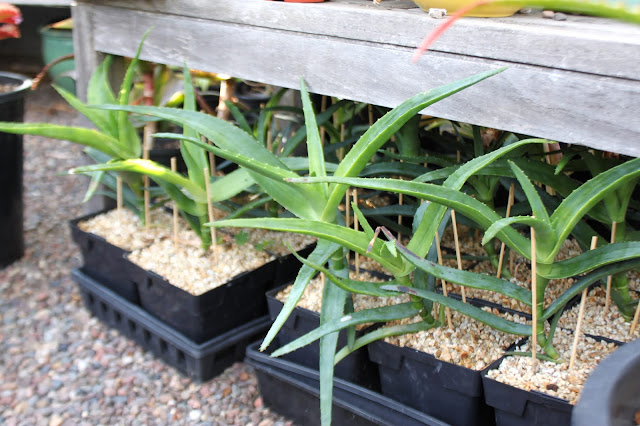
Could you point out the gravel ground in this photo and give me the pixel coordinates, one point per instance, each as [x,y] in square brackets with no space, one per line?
[59,365]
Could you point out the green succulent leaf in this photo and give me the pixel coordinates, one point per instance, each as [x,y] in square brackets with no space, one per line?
[478,314]
[383,314]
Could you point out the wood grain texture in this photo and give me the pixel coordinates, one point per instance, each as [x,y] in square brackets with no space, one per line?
[582,101]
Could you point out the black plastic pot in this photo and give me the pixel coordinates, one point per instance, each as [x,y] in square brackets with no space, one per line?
[519,407]
[198,361]
[355,368]
[440,389]
[103,261]
[210,314]
[293,391]
[11,203]
[611,394]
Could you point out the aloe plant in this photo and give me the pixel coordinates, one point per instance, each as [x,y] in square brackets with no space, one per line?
[552,231]
[315,204]
[114,135]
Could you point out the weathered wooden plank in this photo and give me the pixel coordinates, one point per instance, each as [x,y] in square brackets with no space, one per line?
[572,107]
[589,45]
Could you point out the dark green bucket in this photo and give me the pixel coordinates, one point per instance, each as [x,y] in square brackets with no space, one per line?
[55,44]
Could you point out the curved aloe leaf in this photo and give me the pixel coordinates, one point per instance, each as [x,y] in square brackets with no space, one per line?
[103,120]
[346,237]
[478,314]
[381,333]
[592,259]
[537,207]
[466,278]
[314,145]
[360,287]
[544,230]
[586,281]
[153,170]
[302,202]
[380,132]
[576,205]
[462,203]
[87,137]
[320,255]
[383,314]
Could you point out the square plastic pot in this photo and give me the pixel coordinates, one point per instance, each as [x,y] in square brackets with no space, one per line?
[518,407]
[210,314]
[446,391]
[199,361]
[104,261]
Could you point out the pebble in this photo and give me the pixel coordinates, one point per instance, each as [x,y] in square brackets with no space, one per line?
[548,14]
[559,16]
[58,362]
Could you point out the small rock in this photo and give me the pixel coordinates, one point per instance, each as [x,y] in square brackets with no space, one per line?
[194,415]
[437,13]
[244,376]
[559,16]
[55,420]
[258,402]
[226,392]
[548,14]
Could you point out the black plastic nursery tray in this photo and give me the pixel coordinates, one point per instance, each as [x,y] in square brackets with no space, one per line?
[205,316]
[356,367]
[518,407]
[199,361]
[103,261]
[293,391]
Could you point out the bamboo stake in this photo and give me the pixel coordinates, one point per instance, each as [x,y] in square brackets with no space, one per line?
[214,242]
[149,129]
[502,246]
[444,283]
[455,238]
[583,302]
[174,168]
[607,302]
[534,300]
[634,324]
[119,197]
[347,214]
[370,115]
[356,226]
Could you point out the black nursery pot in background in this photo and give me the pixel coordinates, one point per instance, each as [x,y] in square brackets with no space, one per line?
[11,204]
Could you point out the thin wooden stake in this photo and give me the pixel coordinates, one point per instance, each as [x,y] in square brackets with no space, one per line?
[444,283]
[534,301]
[370,115]
[119,197]
[356,226]
[347,213]
[583,302]
[455,238]
[174,168]
[502,246]
[634,324]
[214,242]
[149,129]
[607,302]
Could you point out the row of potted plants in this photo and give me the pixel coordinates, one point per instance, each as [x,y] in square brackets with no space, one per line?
[590,193]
